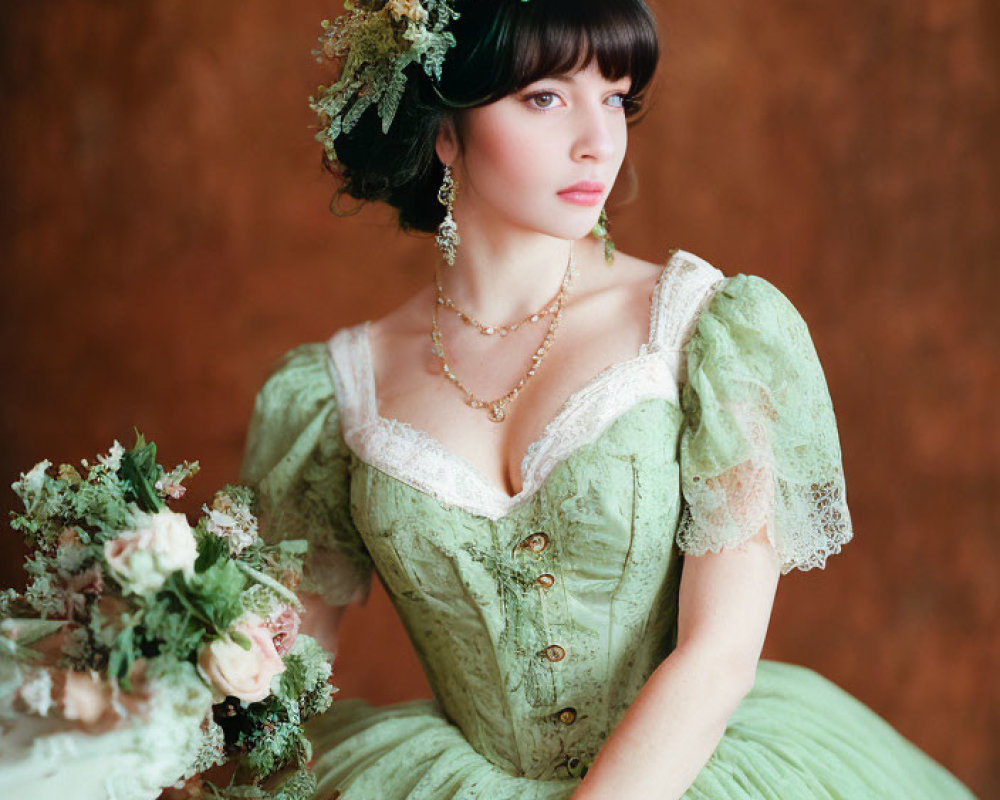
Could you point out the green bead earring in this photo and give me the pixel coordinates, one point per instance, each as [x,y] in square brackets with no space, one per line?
[600,231]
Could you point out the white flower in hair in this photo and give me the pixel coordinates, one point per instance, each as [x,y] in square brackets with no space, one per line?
[408,9]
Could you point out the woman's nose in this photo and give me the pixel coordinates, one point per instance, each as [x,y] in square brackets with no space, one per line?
[593,133]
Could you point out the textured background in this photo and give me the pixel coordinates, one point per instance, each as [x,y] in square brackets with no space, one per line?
[165,237]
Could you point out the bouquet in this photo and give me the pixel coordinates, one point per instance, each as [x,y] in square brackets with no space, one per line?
[132,616]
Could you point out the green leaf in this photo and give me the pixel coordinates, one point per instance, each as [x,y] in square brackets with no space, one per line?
[123,655]
[242,640]
[294,546]
[139,468]
[214,594]
[211,549]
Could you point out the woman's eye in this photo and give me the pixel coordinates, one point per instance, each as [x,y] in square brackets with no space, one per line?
[543,99]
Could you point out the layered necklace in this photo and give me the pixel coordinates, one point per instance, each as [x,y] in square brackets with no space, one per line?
[497,408]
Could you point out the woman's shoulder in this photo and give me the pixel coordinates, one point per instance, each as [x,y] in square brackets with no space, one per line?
[731,291]
[298,381]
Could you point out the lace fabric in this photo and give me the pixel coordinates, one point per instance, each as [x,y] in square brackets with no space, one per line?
[423,462]
[760,446]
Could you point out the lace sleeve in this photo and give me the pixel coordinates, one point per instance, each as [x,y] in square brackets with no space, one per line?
[297,462]
[759,444]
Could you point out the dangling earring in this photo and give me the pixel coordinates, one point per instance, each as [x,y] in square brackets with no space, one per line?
[447,237]
[600,231]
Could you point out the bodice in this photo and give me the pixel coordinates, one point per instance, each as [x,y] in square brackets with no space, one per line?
[537,617]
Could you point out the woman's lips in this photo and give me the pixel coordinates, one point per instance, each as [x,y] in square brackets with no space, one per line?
[581,198]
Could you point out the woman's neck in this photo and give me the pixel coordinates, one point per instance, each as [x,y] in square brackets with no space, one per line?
[501,276]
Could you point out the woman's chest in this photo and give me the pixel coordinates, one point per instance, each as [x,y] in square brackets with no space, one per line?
[601,512]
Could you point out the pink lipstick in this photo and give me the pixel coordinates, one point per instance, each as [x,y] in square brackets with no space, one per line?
[583,193]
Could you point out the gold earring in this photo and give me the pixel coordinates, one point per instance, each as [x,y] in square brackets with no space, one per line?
[447,236]
[600,231]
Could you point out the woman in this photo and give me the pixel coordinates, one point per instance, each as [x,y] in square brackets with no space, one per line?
[579,485]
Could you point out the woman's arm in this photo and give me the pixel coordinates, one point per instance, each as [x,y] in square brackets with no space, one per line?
[678,718]
[322,621]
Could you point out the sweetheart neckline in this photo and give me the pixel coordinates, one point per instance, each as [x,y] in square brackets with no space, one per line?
[504,498]
[508,504]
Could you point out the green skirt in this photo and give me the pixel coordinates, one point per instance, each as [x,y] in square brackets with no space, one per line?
[795,736]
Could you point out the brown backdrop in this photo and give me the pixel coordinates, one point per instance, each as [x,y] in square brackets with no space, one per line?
[166,237]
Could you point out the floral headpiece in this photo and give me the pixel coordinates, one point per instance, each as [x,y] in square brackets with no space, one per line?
[377,40]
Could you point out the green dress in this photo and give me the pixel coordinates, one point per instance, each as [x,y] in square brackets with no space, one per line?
[539,617]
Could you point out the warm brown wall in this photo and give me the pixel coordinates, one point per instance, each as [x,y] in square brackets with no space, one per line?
[166,237]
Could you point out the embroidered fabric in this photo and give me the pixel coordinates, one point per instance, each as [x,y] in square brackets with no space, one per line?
[423,462]
[758,445]
[300,469]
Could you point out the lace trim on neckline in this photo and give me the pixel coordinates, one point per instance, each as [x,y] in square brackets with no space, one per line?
[420,460]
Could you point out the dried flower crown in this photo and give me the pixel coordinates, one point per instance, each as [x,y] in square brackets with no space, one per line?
[376,40]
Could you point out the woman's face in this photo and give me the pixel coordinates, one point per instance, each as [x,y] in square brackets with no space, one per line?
[520,155]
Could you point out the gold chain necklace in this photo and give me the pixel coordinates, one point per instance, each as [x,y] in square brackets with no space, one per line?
[497,408]
[489,330]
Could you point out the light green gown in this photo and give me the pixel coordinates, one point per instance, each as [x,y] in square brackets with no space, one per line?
[539,617]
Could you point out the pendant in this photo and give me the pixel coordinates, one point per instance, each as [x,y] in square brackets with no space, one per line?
[497,414]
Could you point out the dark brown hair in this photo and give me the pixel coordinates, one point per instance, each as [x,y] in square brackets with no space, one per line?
[501,47]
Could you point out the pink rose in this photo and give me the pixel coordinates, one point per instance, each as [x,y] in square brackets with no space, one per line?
[246,674]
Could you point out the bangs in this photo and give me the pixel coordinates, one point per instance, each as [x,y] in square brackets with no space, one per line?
[505,45]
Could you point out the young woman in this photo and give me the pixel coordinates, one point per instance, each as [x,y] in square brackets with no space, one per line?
[578,484]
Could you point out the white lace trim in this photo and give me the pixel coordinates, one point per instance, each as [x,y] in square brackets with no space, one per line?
[420,460]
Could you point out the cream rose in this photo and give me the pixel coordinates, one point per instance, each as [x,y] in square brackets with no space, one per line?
[158,545]
[246,674]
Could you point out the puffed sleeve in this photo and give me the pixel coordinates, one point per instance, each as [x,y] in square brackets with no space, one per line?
[759,445]
[297,462]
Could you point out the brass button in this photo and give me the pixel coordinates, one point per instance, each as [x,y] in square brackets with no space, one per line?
[545,580]
[576,767]
[555,652]
[537,542]
[567,716]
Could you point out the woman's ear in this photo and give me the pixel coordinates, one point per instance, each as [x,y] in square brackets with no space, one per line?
[447,142]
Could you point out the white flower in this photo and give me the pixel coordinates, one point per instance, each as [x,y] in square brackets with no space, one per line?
[113,460]
[407,9]
[36,475]
[159,544]
[233,521]
[246,674]
[31,486]
[36,692]
[170,489]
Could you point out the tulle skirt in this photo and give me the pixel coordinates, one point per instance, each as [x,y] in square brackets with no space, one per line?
[796,735]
